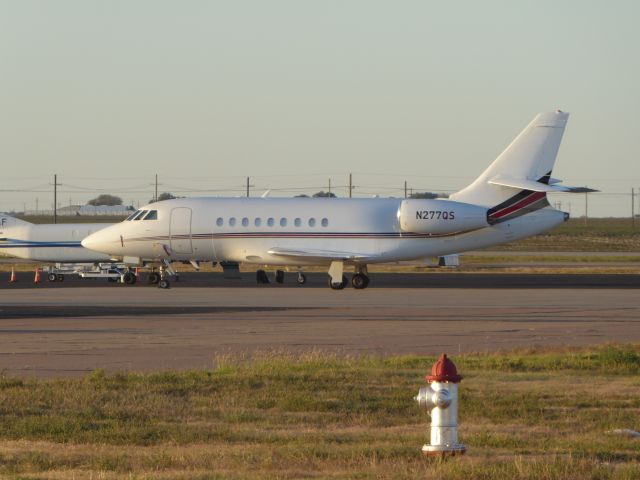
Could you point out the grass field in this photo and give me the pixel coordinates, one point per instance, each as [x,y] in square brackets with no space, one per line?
[535,414]
[598,235]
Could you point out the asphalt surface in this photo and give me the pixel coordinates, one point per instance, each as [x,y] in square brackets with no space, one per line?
[59,332]
[434,279]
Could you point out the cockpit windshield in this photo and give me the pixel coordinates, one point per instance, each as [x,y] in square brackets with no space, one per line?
[152,215]
[140,215]
[130,217]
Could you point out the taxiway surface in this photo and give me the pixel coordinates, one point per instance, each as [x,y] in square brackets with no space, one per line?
[71,331]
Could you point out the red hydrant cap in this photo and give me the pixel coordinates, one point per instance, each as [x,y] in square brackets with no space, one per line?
[444,370]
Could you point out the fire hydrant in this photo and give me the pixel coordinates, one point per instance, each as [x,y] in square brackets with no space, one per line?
[441,399]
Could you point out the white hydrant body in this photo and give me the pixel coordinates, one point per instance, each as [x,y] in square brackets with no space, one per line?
[441,398]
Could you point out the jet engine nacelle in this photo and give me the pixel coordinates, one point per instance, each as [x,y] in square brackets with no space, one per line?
[440,216]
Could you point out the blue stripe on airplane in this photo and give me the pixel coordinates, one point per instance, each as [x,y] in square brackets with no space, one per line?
[27,244]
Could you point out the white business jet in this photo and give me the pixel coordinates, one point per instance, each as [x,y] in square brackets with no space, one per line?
[506,203]
[52,243]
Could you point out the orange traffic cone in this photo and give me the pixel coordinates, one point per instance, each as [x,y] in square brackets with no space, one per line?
[13,278]
[36,279]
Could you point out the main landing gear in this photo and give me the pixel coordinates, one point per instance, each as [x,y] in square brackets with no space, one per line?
[337,279]
[338,285]
[359,281]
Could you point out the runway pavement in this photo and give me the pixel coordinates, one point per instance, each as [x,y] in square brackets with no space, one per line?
[71,331]
[431,279]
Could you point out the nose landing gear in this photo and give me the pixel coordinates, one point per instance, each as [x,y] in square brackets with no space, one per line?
[165,270]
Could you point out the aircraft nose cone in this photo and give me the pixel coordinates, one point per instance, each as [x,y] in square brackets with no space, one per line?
[93,242]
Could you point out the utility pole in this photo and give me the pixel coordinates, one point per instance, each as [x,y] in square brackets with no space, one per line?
[247,187]
[633,207]
[155,197]
[36,205]
[329,186]
[55,198]
[350,185]
[405,189]
[586,208]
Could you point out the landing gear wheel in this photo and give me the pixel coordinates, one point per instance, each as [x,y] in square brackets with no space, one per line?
[279,276]
[359,281]
[164,283]
[302,279]
[154,278]
[261,277]
[338,286]
[52,277]
[60,277]
[129,278]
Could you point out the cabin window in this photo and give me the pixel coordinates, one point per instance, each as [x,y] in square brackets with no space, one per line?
[325,222]
[257,222]
[297,222]
[245,222]
[270,222]
[312,222]
[140,215]
[283,222]
[130,217]
[232,222]
[220,221]
[152,215]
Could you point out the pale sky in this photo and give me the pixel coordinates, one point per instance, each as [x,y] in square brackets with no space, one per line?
[108,93]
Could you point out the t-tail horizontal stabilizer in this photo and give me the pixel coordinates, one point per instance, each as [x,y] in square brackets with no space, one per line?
[535,186]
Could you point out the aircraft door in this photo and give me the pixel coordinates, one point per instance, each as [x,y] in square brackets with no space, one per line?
[180,231]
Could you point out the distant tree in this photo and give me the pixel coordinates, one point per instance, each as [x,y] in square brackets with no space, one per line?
[427,195]
[105,199]
[302,195]
[323,194]
[164,196]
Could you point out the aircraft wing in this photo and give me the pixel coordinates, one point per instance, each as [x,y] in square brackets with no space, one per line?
[313,254]
[525,184]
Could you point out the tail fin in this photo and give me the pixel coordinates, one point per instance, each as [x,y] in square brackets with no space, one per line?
[9,221]
[530,157]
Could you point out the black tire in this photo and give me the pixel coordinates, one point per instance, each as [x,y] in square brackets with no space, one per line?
[338,286]
[359,281]
[52,277]
[279,276]
[261,277]
[164,283]
[153,278]
[302,279]
[130,278]
[60,277]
